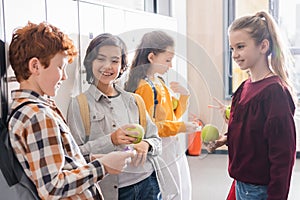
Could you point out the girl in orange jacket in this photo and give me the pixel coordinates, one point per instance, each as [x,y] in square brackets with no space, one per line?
[153,58]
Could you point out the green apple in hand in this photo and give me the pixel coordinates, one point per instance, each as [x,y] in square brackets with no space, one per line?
[209,133]
[140,130]
[227,111]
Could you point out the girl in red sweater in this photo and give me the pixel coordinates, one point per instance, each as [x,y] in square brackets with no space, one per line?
[261,135]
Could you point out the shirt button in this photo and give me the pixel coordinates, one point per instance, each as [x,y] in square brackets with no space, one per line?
[114,125]
[115,186]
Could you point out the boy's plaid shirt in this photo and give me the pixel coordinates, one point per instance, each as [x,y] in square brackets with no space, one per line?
[47,151]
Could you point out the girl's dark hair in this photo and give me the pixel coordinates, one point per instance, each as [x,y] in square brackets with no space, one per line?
[152,42]
[105,39]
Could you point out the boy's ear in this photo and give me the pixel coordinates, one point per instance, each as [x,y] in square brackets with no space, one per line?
[265,46]
[34,65]
[150,57]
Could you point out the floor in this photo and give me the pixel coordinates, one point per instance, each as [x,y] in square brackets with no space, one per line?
[210,179]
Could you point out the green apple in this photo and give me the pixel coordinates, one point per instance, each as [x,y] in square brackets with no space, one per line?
[227,111]
[140,130]
[174,103]
[209,133]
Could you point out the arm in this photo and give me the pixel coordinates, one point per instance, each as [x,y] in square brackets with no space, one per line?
[52,170]
[281,134]
[222,108]
[281,156]
[152,138]
[183,102]
[212,146]
[176,87]
[151,144]
[167,126]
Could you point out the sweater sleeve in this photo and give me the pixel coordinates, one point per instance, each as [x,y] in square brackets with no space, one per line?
[182,105]
[281,134]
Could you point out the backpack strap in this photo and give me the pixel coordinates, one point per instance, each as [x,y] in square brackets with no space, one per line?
[10,166]
[10,175]
[154,94]
[19,107]
[142,110]
[84,113]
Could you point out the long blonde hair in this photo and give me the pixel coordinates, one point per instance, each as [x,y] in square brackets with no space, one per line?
[262,26]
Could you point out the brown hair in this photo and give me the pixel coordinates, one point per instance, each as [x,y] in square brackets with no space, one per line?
[152,42]
[104,39]
[262,26]
[42,41]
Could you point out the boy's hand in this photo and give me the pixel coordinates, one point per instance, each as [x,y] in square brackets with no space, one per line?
[114,162]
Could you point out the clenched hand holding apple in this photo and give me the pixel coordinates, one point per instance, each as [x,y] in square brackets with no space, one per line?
[140,148]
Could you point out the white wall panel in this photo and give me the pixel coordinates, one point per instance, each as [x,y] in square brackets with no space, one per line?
[84,20]
[65,17]
[17,14]
[90,25]
[114,20]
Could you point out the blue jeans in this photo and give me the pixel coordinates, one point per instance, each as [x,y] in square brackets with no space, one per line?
[146,189]
[246,191]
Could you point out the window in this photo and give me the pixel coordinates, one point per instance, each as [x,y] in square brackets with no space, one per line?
[128,4]
[162,7]
[287,14]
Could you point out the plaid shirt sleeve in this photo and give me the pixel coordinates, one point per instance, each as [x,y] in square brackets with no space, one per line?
[50,156]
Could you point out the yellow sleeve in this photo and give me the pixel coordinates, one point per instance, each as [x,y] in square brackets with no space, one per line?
[170,128]
[165,120]
[182,105]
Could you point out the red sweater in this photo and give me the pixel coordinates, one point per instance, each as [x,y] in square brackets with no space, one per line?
[262,136]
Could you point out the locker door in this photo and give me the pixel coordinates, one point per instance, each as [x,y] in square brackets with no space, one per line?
[3,96]
[18,13]
[91,24]
[64,15]
[3,88]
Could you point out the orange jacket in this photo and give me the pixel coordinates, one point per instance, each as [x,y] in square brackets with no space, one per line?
[166,118]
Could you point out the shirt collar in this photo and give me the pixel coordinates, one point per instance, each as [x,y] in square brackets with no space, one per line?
[97,94]
[21,95]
